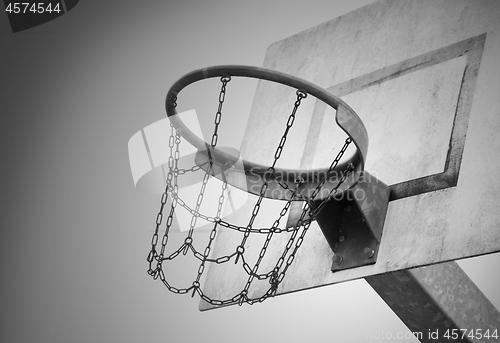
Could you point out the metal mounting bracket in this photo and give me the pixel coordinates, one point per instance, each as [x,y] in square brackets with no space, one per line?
[352,222]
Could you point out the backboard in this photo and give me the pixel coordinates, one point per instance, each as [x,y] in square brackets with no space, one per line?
[423,76]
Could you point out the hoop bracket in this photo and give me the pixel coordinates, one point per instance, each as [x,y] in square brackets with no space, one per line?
[353,221]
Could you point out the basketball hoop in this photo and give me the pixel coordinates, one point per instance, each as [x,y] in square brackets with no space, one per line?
[317,188]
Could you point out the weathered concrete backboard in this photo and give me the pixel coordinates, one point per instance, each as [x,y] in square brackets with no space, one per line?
[424,78]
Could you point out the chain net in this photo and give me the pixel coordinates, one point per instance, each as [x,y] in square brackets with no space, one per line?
[157,256]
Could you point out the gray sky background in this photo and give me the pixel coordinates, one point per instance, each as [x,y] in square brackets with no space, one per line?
[75,232]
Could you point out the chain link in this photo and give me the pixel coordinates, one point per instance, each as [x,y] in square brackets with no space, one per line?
[332,167]
[277,273]
[218,114]
[271,171]
[333,191]
[300,95]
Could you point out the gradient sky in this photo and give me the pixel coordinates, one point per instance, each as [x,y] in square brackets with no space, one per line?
[75,231]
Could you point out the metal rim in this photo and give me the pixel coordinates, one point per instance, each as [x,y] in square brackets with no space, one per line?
[355,130]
